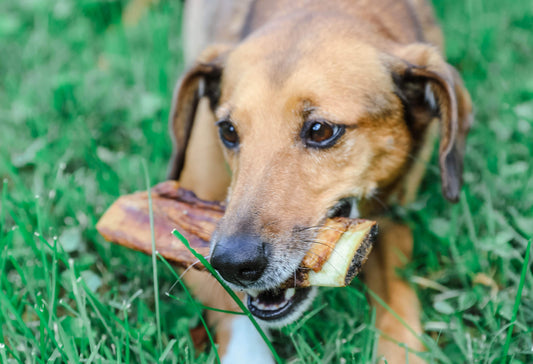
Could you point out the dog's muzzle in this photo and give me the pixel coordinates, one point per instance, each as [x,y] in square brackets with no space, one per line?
[243,261]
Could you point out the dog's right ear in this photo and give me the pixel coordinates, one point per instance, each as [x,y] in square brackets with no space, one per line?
[201,80]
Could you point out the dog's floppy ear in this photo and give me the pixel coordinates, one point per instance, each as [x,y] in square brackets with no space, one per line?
[201,80]
[429,87]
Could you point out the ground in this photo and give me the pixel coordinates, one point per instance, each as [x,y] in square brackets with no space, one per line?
[84,99]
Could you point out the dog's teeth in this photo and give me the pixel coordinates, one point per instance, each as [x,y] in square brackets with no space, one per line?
[289,293]
[271,307]
[253,293]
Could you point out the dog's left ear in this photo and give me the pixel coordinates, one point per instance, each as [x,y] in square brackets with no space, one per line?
[429,87]
[201,80]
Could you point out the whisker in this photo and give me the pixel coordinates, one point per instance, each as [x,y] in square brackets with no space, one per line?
[172,287]
[379,201]
[192,265]
[320,228]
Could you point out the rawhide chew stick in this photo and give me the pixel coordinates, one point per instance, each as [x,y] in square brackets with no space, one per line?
[342,244]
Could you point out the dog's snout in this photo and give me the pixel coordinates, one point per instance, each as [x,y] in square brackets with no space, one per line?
[240,259]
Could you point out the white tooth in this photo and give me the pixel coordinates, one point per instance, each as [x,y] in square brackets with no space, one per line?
[289,293]
[252,292]
[270,307]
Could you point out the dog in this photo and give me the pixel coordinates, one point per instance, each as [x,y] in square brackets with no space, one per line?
[293,111]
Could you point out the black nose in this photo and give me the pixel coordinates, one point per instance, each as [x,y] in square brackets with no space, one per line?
[240,259]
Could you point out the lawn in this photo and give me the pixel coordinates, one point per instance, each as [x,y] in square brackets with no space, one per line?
[84,99]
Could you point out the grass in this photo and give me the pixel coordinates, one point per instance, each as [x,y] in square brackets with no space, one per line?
[84,101]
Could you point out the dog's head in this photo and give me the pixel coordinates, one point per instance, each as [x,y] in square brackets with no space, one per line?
[313,126]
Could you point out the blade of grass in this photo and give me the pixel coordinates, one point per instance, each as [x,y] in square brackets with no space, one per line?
[517,300]
[102,313]
[48,327]
[3,207]
[471,229]
[167,350]
[3,260]
[6,351]
[81,305]
[154,260]
[42,250]
[301,322]
[53,294]
[198,310]
[94,353]
[13,355]
[230,292]
[6,304]
[91,300]
[127,348]
[3,353]
[204,307]
[371,347]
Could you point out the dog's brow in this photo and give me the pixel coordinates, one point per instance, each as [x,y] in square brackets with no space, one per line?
[223,112]
[314,112]
[308,109]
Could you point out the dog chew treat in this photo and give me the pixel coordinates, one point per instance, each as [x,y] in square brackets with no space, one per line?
[127,222]
[341,246]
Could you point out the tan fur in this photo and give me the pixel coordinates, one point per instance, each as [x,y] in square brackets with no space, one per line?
[296,60]
[205,150]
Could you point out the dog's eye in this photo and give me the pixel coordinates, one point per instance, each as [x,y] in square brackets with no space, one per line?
[228,134]
[321,134]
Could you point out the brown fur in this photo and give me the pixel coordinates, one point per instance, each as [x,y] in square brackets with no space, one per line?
[363,64]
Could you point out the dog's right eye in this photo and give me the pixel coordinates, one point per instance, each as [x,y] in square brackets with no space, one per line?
[228,134]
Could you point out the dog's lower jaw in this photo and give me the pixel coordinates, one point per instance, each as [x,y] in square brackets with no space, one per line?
[276,307]
[273,306]
[286,305]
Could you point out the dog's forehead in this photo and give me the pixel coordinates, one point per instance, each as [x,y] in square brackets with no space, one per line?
[339,76]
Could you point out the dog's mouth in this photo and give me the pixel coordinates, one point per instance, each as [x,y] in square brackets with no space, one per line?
[279,306]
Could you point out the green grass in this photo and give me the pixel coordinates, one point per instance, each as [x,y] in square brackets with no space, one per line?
[84,101]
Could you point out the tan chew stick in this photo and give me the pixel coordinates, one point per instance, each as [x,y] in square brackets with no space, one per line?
[127,222]
[342,245]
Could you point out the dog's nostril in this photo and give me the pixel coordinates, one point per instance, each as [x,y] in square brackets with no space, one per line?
[240,259]
[250,274]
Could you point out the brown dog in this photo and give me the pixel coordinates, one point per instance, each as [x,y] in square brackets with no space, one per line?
[297,110]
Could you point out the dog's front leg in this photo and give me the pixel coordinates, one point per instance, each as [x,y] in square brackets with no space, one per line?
[237,339]
[394,248]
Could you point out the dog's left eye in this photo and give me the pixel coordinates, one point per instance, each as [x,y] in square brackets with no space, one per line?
[228,134]
[321,134]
